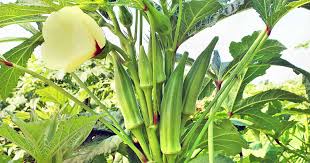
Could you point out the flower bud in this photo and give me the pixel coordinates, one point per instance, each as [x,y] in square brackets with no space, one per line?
[71,37]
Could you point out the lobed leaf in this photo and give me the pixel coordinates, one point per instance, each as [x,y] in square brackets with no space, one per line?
[18,55]
[262,98]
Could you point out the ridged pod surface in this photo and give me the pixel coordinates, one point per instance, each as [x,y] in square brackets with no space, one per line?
[161,21]
[160,65]
[126,97]
[125,16]
[145,70]
[171,109]
[194,79]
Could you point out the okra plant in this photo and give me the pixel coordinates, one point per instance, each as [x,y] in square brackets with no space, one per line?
[156,87]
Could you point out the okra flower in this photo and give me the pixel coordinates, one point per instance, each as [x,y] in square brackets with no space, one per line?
[71,37]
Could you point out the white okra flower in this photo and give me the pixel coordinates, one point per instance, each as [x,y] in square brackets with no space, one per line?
[71,37]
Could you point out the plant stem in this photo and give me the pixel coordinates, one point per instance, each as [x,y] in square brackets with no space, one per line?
[137,132]
[210,142]
[136,25]
[117,29]
[120,51]
[306,130]
[130,34]
[171,158]
[247,58]
[94,97]
[125,138]
[141,28]
[154,57]
[176,34]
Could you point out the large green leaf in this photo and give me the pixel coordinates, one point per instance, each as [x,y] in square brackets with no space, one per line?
[226,138]
[271,50]
[18,139]
[285,63]
[50,94]
[261,121]
[265,97]
[205,159]
[42,139]
[200,14]
[15,14]
[88,152]
[19,55]
[271,11]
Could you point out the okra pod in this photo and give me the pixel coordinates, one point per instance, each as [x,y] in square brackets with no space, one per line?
[145,70]
[194,79]
[161,21]
[125,16]
[171,108]
[126,97]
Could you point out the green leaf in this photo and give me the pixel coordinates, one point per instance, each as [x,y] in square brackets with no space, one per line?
[49,94]
[226,138]
[285,63]
[261,121]
[265,97]
[88,152]
[18,139]
[207,90]
[18,55]
[15,14]
[271,11]
[196,10]
[199,14]
[294,111]
[306,82]
[270,50]
[205,159]
[12,39]
[42,139]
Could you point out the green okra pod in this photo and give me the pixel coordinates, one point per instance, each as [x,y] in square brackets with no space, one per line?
[126,97]
[160,65]
[170,111]
[145,70]
[125,16]
[194,79]
[160,20]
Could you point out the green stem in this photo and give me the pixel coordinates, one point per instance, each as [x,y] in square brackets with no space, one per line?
[137,132]
[148,97]
[306,130]
[210,142]
[136,25]
[94,97]
[141,28]
[153,140]
[242,64]
[117,30]
[125,138]
[153,42]
[120,51]
[164,5]
[130,34]
[176,34]
[154,143]
[171,158]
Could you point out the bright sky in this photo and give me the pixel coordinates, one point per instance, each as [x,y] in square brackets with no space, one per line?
[292,30]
